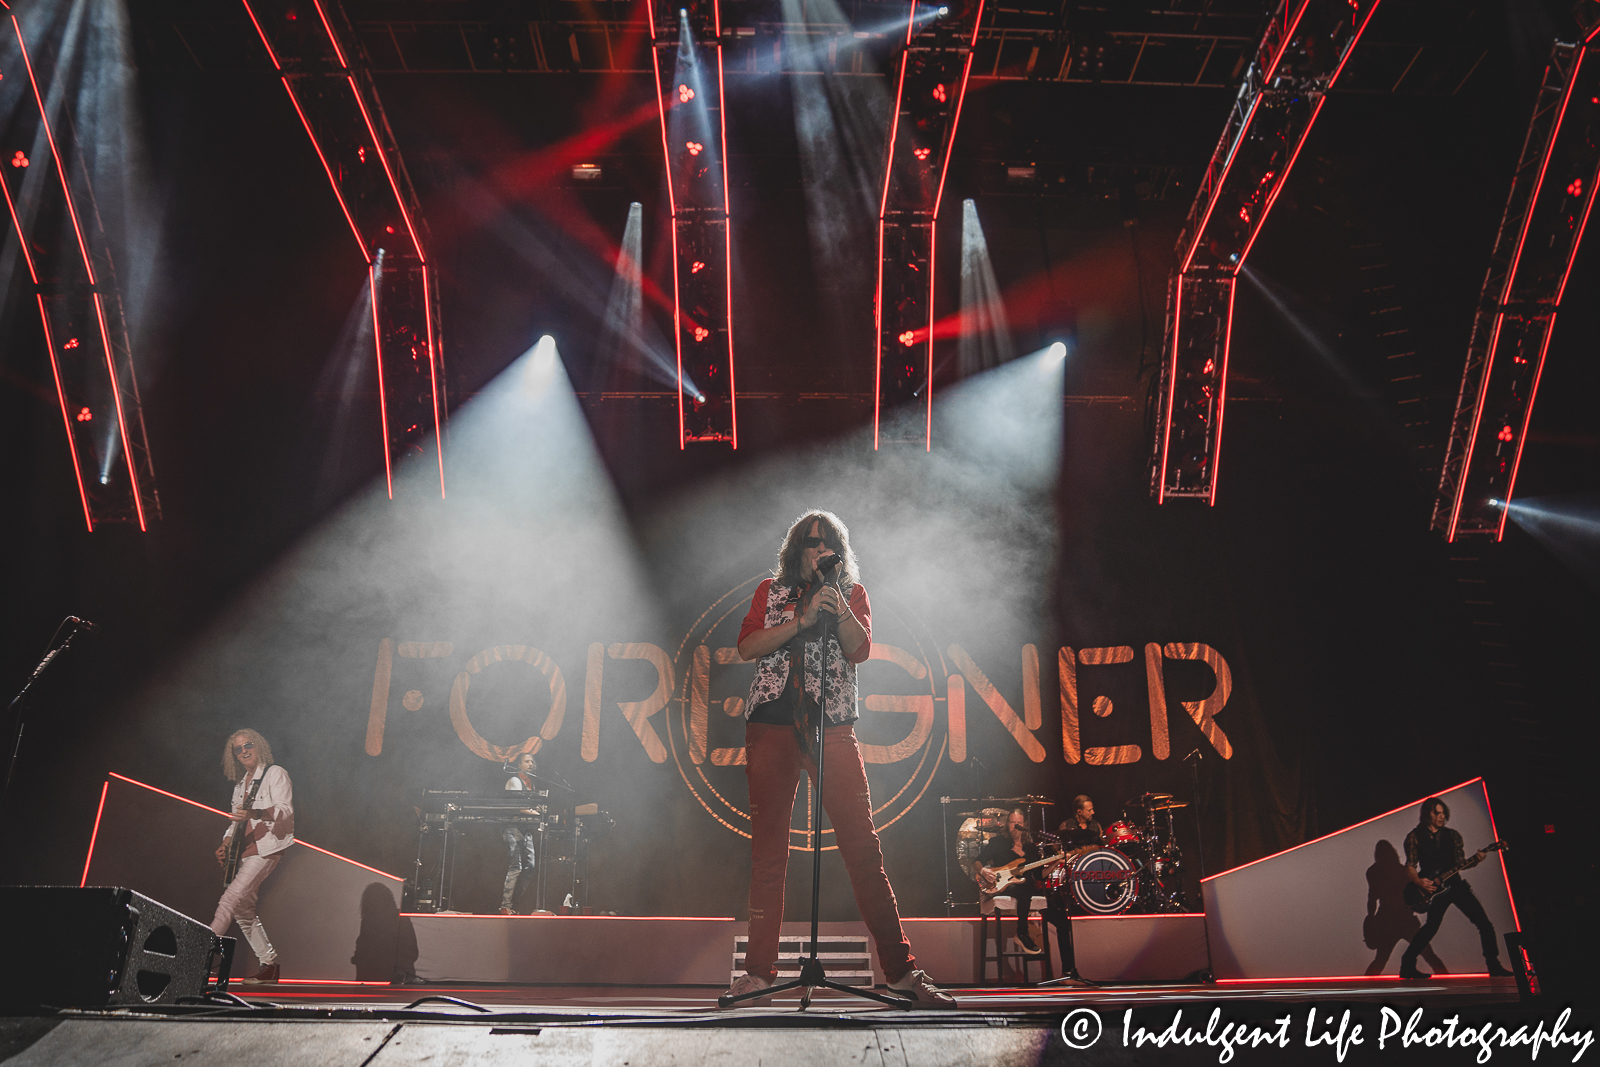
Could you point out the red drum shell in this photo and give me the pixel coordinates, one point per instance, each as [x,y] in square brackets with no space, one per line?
[1122,833]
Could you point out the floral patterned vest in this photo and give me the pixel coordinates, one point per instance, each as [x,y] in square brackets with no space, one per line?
[772,671]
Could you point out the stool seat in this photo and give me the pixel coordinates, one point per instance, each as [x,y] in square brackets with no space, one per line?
[1010,904]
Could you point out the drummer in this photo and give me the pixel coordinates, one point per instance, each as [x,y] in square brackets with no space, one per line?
[1081,831]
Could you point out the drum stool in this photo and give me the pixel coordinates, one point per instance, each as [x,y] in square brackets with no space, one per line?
[990,925]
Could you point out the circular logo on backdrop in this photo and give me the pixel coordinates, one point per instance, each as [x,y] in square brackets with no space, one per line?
[902,729]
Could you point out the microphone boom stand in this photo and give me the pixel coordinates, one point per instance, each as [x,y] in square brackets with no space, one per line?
[812,974]
[17,709]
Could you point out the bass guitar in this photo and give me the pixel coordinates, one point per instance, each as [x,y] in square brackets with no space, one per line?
[237,843]
[1017,870]
[1420,899]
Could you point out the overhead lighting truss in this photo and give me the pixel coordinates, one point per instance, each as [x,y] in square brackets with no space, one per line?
[51,207]
[1301,55]
[325,71]
[686,53]
[1552,193]
[930,85]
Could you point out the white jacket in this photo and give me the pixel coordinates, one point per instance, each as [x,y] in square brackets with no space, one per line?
[271,826]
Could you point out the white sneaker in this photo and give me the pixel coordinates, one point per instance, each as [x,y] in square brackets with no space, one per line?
[919,987]
[746,983]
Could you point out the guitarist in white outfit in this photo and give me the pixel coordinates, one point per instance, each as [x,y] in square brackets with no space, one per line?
[263,817]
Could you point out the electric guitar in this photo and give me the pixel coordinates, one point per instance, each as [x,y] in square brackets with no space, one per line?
[1017,870]
[1420,899]
[237,843]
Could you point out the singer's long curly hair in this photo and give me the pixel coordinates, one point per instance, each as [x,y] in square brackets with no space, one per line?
[835,534]
[232,767]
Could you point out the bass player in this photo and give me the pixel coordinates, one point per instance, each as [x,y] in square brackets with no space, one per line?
[261,829]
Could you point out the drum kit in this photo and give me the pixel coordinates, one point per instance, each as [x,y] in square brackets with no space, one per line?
[1138,870]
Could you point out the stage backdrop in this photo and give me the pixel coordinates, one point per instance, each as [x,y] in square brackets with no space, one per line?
[417,643]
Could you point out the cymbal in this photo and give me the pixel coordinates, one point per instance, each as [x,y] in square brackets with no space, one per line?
[1170,805]
[1145,799]
[1043,802]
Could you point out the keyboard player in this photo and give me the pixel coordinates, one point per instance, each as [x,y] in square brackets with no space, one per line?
[519,839]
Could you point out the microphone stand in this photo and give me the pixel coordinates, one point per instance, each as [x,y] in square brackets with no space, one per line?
[812,974]
[16,707]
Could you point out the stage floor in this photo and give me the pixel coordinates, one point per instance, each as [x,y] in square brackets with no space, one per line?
[319,1023]
[601,1001]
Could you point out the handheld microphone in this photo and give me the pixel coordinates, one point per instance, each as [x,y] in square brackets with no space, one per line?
[83,624]
[828,563]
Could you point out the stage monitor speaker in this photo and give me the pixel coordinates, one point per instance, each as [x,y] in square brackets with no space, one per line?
[98,946]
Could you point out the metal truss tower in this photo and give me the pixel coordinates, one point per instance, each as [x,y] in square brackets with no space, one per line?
[1552,194]
[326,73]
[1300,57]
[930,86]
[62,242]
[686,49]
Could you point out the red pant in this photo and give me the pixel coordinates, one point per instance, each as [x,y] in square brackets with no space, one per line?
[773,766]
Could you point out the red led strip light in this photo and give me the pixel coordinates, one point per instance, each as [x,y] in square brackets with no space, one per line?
[433,371]
[1342,830]
[383,400]
[94,835]
[315,144]
[214,811]
[88,268]
[1239,139]
[883,210]
[50,350]
[1172,392]
[1499,319]
[1222,393]
[727,231]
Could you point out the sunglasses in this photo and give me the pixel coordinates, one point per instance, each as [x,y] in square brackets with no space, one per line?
[248,746]
[815,542]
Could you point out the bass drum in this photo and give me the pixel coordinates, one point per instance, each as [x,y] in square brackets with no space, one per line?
[1101,881]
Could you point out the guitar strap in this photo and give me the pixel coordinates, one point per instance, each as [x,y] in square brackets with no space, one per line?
[236,842]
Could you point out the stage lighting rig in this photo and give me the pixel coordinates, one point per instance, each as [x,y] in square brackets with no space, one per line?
[686,49]
[1552,194]
[325,70]
[930,85]
[75,285]
[1297,62]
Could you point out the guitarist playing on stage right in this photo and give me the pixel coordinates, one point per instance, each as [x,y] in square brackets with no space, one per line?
[261,828]
[1432,849]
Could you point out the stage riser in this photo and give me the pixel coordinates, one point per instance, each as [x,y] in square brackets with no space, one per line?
[327,917]
[1333,907]
[333,919]
[674,951]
